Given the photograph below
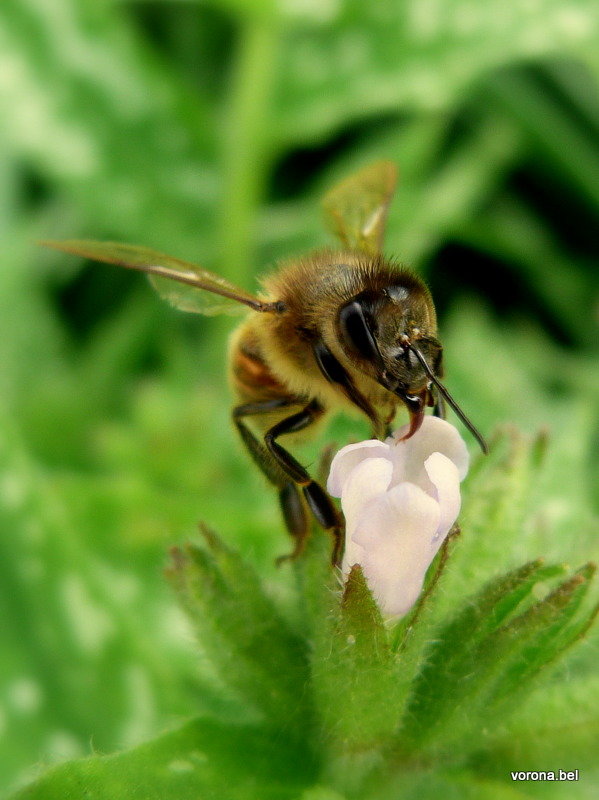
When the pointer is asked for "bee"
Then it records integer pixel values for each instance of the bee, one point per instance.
(338, 328)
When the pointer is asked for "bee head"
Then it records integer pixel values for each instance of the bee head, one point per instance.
(377, 331)
(387, 335)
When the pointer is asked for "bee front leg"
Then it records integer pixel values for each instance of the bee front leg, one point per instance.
(439, 407)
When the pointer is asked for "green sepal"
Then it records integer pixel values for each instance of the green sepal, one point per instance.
(484, 613)
(351, 661)
(356, 679)
(202, 759)
(410, 636)
(354, 684)
(250, 645)
(456, 644)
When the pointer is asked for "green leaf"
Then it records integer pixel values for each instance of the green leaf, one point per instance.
(568, 146)
(550, 626)
(558, 722)
(90, 107)
(251, 646)
(355, 60)
(201, 759)
(512, 232)
(487, 655)
(434, 203)
(77, 657)
(457, 644)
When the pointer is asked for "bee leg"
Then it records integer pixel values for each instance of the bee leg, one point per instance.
(284, 471)
(260, 455)
(292, 503)
(327, 517)
(439, 409)
(318, 500)
(293, 507)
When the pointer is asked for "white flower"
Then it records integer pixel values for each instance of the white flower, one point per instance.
(400, 499)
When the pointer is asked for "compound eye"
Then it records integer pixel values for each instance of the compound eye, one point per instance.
(356, 332)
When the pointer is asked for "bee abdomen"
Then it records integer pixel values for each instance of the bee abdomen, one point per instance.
(251, 377)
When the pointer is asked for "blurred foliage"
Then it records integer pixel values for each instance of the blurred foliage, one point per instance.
(210, 130)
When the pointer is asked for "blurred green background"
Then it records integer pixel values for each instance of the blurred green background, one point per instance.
(210, 130)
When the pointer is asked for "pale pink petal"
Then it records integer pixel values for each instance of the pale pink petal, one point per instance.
(435, 436)
(366, 525)
(364, 484)
(395, 534)
(445, 477)
(348, 458)
(367, 480)
(418, 517)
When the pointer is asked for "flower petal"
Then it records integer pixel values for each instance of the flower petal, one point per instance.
(435, 436)
(348, 458)
(366, 482)
(445, 477)
(395, 533)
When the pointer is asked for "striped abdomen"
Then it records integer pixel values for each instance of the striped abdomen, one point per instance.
(250, 377)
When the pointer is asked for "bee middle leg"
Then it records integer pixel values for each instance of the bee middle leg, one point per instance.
(285, 472)
(318, 500)
(293, 507)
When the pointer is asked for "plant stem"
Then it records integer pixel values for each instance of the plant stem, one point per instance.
(244, 157)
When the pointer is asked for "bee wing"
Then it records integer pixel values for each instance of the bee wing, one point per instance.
(181, 283)
(356, 209)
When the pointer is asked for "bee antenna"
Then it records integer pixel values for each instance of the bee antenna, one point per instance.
(473, 430)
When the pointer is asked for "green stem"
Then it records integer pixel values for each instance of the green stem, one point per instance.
(244, 156)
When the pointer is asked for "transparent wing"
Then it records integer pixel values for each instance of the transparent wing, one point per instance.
(181, 283)
(356, 209)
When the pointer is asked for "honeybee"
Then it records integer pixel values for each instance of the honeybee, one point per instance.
(337, 328)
